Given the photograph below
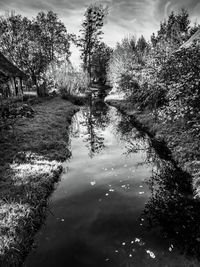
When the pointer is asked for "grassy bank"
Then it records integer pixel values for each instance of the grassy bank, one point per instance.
(180, 139)
(30, 164)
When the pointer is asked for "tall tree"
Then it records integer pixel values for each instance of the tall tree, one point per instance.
(99, 62)
(91, 33)
(173, 31)
(153, 40)
(52, 36)
(14, 31)
(33, 44)
(142, 44)
(183, 21)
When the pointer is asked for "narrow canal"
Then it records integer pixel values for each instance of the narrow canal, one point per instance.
(121, 201)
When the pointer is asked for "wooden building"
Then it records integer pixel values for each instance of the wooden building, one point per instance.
(11, 78)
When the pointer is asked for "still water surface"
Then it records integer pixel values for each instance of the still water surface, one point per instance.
(119, 203)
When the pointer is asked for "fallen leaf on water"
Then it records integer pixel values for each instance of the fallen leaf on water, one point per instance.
(137, 239)
(151, 254)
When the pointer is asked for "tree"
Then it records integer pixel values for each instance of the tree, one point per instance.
(52, 41)
(183, 21)
(180, 74)
(123, 60)
(141, 44)
(99, 63)
(173, 31)
(53, 37)
(153, 40)
(14, 31)
(33, 44)
(91, 33)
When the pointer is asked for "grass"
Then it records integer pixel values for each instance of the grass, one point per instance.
(182, 142)
(30, 164)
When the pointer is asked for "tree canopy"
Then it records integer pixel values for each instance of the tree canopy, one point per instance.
(33, 44)
(91, 33)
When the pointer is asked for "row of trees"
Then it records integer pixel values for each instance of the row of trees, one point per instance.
(41, 44)
(95, 54)
(160, 75)
(33, 44)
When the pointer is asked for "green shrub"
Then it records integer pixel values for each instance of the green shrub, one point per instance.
(181, 74)
(65, 79)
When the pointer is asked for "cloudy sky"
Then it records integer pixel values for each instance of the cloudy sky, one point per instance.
(126, 17)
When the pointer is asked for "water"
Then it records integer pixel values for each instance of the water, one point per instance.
(120, 202)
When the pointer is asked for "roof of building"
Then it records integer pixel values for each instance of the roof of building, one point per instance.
(9, 69)
(194, 37)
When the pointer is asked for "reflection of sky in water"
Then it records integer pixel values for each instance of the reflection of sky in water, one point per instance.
(96, 211)
(109, 165)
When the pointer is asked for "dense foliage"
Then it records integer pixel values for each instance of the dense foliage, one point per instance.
(181, 75)
(99, 63)
(91, 33)
(33, 44)
(162, 76)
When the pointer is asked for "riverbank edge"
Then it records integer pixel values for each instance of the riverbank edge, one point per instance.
(178, 142)
(31, 164)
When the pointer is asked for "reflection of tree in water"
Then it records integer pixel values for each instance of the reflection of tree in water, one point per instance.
(134, 139)
(94, 120)
(93, 138)
(172, 206)
(99, 112)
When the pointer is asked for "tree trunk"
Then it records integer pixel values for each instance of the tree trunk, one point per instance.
(16, 87)
(21, 86)
(34, 79)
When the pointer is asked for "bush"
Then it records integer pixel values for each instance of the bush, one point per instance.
(74, 83)
(181, 74)
(170, 84)
(63, 78)
(122, 61)
(11, 112)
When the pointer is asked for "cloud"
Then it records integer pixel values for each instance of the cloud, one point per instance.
(165, 7)
(133, 17)
(126, 17)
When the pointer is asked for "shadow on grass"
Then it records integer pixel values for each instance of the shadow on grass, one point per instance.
(31, 163)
